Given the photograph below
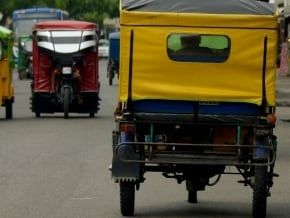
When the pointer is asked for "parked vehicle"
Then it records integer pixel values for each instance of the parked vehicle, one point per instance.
(23, 20)
(113, 62)
(195, 97)
(103, 48)
(65, 68)
(6, 67)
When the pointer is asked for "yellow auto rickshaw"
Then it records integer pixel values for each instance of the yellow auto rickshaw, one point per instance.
(196, 95)
(6, 67)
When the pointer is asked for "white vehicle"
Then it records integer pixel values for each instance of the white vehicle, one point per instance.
(103, 48)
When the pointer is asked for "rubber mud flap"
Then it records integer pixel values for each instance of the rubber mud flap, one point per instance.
(122, 169)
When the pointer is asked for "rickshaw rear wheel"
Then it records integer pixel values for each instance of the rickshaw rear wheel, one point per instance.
(66, 102)
(37, 114)
(110, 80)
(92, 114)
(191, 192)
(192, 197)
(111, 77)
(260, 192)
(21, 75)
(8, 110)
(110, 73)
(127, 198)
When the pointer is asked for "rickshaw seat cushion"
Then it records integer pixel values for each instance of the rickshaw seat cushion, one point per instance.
(187, 107)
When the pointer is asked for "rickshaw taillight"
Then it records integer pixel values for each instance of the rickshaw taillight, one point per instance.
(56, 71)
(127, 127)
(127, 132)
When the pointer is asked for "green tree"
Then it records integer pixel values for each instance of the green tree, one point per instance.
(89, 10)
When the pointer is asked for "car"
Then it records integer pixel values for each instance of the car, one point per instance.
(103, 48)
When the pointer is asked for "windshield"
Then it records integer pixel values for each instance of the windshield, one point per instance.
(24, 27)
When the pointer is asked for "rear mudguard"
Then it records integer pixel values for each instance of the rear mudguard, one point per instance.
(125, 170)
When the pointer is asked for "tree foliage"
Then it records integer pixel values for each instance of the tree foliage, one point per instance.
(89, 10)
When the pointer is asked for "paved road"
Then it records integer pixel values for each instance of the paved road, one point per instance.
(56, 168)
(283, 90)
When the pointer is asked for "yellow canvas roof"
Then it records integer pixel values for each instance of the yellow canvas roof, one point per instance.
(247, 74)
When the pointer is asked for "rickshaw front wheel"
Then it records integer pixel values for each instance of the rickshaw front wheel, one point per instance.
(260, 192)
(127, 198)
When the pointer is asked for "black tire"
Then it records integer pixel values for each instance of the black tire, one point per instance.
(30, 71)
(37, 114)
(92, 114)
(8, 110)
(192, 197)
(260, 192)
(127, 198)
(111, 77)
(66, 102)
(21, 75)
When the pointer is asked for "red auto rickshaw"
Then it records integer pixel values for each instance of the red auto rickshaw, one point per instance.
(65, 68)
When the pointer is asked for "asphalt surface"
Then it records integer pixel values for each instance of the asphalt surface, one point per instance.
(56, 168)
(283, 90)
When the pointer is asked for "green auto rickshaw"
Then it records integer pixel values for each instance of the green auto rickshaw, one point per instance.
(6, 66)
(24, 61)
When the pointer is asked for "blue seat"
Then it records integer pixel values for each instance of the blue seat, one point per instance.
(191, 107)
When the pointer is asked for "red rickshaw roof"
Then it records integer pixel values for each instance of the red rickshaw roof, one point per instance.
(64, 24)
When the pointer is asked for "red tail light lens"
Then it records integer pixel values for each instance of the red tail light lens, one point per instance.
(127, 127)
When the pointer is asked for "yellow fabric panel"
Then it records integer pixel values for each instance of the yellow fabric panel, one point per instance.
(194, 19)
(6, 87)
(239, 79)
(1, 79)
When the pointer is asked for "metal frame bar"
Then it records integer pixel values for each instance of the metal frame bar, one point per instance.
(177, 157)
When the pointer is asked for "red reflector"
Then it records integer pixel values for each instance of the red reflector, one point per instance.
(127, 127)
(271, 118)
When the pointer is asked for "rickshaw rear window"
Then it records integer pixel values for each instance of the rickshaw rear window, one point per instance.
(66, 40)
(198, 48)
(59, 40)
